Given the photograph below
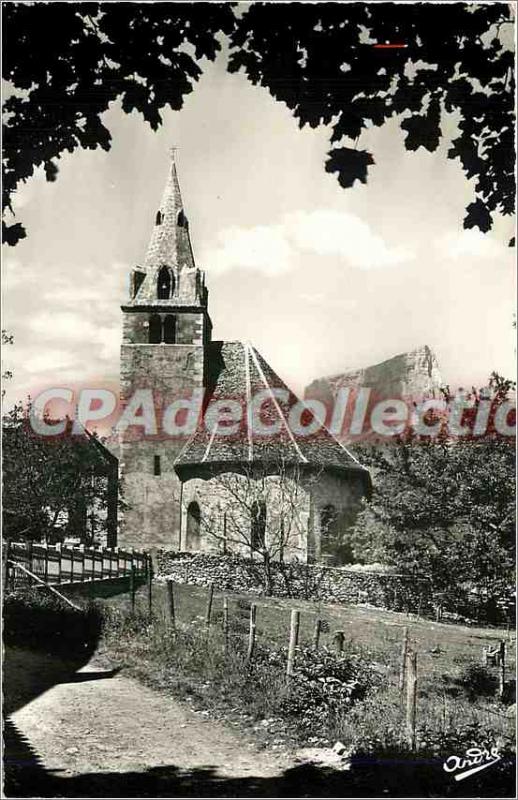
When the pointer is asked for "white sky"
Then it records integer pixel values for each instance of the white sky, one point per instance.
(319, 278)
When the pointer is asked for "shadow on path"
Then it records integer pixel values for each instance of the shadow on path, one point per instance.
(25, 776)
(27, 674)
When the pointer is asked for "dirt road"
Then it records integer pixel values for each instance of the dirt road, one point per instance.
(95, 725)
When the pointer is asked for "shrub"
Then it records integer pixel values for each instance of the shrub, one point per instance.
(322, 681)
(477, 681)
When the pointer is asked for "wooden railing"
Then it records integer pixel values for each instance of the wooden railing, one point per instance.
(62, 563)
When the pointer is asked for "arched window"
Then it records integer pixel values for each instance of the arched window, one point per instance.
(155, 329)
(165, 286)
(181, 219)
(170, 329)
(158, 218)
(193, 526)
(258, 526)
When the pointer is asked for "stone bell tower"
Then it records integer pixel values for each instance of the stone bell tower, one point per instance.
(166, 331)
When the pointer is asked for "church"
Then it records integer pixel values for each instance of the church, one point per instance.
(249, 483)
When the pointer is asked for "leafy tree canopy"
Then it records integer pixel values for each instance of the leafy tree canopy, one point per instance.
(322, 63)
(445, 506)
(66, 62)
(69, 61)
(50, 483)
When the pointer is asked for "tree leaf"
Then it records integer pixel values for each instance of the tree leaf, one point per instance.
(351, 165)
(478, 216)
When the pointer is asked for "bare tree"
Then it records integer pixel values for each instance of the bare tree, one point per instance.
(260, 510)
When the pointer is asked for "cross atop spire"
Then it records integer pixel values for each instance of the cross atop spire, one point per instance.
(170, 243)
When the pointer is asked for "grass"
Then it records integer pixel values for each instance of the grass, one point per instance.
(376, 632)
(220, 683)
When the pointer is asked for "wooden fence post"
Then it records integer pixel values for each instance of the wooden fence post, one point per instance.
(149, 572)
(208, 613)
(294, 638)
(7, 556)
(411, 699)
(501, 675)
(338, 639)
(58, 551)
(225, 624)
(132, 587)
(404, 652)
(171, 618)
(82, 551)
(316, 633)
(30, 555)
(46, 563)
(252, 632)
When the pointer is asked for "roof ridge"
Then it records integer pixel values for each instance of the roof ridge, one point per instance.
(323, 425)
(277, 406)
(203, 447)
(213, 434)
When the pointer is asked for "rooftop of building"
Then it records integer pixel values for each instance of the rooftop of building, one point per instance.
(238, 373)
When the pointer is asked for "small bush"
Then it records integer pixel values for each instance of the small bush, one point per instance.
(323, 681)
(477, 681)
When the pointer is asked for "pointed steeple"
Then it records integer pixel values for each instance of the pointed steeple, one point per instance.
(170, 243)
(169, 276)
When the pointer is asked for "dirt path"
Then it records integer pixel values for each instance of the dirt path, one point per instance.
(115, 724)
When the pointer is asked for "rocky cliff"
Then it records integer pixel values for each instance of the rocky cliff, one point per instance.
(414, 374)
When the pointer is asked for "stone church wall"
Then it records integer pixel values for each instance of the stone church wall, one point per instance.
(232, 494)
(151, 517)
(161, 367)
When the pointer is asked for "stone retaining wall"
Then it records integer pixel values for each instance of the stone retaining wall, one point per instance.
(297, 580)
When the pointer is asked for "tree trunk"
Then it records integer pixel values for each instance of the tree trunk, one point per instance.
(268, 583)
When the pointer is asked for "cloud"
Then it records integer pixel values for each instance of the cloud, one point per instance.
(338, 233)
(14, 274)
(103, 289)
(263, 248)
(61, 329)
(47, 360)
(274, 249)
(470, 243)
(64, 325)
(313, 297)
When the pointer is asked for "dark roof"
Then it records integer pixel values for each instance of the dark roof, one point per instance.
(238, 372)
